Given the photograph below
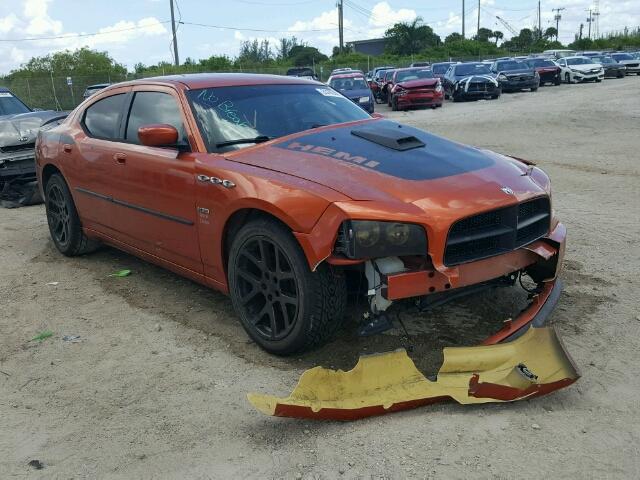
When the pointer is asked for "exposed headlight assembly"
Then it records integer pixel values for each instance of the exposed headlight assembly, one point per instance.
(372, 239)
(363, 99)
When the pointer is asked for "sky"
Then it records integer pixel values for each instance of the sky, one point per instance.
(135, 31)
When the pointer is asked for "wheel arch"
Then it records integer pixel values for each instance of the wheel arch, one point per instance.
(47, 172)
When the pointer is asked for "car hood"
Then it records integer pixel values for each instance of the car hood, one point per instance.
(360, 92)
(421, 82)
(587, 67)
(441, 174)
(521, 71)
(23, 128)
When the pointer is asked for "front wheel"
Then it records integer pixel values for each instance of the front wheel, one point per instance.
(534, 89)
(64, 222)
(598, 80)
(284, 306)
(394, 104)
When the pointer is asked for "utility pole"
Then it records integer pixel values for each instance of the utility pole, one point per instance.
(596, 19)
(478, 17)
(580, 35)
(462, 18)
(176, 60)
(539, 21)
(557, 18)
(589, 20)
(340, 26)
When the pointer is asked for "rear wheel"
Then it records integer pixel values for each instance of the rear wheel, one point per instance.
(64, 222)
(282, 304)
(394, 104)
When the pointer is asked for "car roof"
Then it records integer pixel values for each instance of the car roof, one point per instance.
(206, 80)
(348, 75)
(98, 85)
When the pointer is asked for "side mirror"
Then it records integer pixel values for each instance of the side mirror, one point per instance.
(158, 135)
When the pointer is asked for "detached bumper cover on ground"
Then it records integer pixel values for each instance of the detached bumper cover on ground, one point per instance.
(533, 364)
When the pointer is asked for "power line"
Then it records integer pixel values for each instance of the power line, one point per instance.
(227, 27)
(82, 35)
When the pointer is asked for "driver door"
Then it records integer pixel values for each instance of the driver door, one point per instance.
(154, 187)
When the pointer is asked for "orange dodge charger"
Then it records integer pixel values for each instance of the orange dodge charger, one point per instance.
(272, 189)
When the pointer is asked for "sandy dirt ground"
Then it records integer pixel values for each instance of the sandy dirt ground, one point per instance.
(156, 386)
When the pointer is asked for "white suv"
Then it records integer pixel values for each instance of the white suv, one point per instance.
(580, 69)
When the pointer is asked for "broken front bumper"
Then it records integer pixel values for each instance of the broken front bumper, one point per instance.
(534, 364)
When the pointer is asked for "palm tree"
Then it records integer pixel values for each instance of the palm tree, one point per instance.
(497, 35)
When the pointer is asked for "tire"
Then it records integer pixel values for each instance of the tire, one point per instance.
(558, 81)
(598, 80)
(534, 89)
(283, 306)
(620, 74)
(567, 78)
(496, 96)
(394, 104)
(64, 223)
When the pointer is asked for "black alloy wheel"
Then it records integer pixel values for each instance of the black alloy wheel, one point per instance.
(283, 305)
(58, 216)
(63, 219)
(267, 288)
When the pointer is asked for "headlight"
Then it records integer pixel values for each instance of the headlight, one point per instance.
(371, 239)
(363, 99)
(439, 87)
(502, 76)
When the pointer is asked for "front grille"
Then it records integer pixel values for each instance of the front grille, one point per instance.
(17, 148)
(479, 87)
(498, 231)
(421, 90)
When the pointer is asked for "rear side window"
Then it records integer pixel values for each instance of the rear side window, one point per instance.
(153, 107)
(102, 119)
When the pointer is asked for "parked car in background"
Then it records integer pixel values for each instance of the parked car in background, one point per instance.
(580, 69)
(302, 72)
(420, 64)
(547, 70)
(470, 81)
(559, 53)
(631, 63)
(92, 89)
(385, 85)
(377, 72)
(589, 54)
(354, 86)
(19, 126)
(345, 70)
(611, 67)
(379, 92)
(439, 69)
(415, 87)
(514, 75)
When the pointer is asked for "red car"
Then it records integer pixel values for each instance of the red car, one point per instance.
(548, 70)
(415, 87)
(272, 189)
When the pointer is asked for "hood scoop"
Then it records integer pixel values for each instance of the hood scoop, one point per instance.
(393, 138)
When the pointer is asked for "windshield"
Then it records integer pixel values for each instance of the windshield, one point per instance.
(442, 68)
(622, 56)
(604, 59)
(232, 113)
(356, 83)
(10, 105)
(472, 69)
(541, 63)
(579, 61)
(407, 75)
(511, 65)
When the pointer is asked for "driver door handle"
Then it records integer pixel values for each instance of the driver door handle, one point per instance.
(120, 158)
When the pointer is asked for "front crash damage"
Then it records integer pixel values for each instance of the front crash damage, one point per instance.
(534, 364)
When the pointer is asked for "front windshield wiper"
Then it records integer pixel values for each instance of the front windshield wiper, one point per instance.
(238, 141)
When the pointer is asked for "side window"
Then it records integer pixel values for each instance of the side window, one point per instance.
(153, 107)
(102, 118)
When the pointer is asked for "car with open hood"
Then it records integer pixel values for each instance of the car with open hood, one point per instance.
(470, 81)
(515, 75)
(611, 67)
(580, 69)
(630, 63)
(548, 71)
(355, 87)
(415, 87)
(273, 189)
(19, 126)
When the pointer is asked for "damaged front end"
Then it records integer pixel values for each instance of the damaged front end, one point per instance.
(534, 364)
(18, 184)
(522, 360)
